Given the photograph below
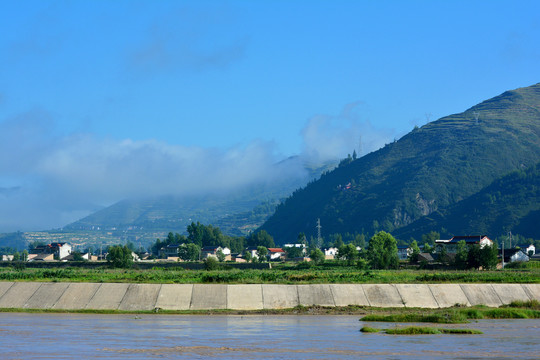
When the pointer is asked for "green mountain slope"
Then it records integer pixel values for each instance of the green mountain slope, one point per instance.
(430, 168)
(511, 203)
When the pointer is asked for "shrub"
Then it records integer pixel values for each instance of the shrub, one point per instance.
(211, 263)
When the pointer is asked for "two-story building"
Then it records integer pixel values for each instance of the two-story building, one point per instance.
(58, 250)
(451, 245)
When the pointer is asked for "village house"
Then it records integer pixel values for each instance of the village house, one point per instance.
(528, 249)
(276, 253)
(58, 250)
(211, 251)
(239, 258)
(451, 245)
(41, 257)
(513, 255)
(168, 251)
(330, 253)
(252, 251)
(86, 256)
(425, 257)
(403, 252)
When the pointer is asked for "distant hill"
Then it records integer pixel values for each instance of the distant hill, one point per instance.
(510, 203)
(235, 212)
(430, 168)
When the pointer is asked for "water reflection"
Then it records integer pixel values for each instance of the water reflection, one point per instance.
(69, 336)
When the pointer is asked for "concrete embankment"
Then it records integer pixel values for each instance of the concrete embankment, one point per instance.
(138, 297)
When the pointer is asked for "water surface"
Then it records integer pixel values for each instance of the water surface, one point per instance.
(82, 336)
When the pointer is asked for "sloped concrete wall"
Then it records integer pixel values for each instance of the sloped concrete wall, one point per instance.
(136, 297)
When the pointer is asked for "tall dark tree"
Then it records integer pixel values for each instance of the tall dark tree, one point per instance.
(120, 256)
(260, 238)
(382, 251)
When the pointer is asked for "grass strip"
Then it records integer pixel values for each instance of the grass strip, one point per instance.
(279, 274)
(456, 316)
(368, 329)
(445, 317)
(421, 330)
(530, 304)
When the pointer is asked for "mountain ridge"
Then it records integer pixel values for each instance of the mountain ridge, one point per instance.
(439, 164)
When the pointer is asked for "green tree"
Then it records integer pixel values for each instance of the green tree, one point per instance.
(220, 255)
(211, 263)
(77, 256)
(382, 251)
(317, 256)
(262, 252)
(25, 255)
(293, 252)
(260, 238)
(413, 257)
(428, 248)
(120, 256)
(473, 257)
(488, 257)
(338, 240)
(130, 246)
(189, 252)
(360, 240)
(443, 255)
(16, 256)
(348, 253)
(430, 237)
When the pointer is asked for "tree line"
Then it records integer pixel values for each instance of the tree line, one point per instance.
(200, 235)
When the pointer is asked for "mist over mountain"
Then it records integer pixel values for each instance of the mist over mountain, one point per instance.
(51, 179)
(430, 168)
(235, 211)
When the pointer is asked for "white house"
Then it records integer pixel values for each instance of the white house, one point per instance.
(404, 251)
(513, 255)
(61, 250)
(528, 249)
(211, 251)
(276, 253)
(252, 251)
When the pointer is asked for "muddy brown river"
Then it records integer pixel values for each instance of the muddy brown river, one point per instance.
(81, 336)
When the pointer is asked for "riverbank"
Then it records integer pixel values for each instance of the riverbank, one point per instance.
(254, 297)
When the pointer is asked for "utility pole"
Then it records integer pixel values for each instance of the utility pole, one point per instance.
(502, 253)
(319, 239)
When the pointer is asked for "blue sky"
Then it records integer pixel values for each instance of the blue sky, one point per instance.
(103, 100)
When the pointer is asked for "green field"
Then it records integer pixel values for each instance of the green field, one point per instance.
(327, 273)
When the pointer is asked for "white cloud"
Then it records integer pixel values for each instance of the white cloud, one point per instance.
(333, 137)
(50, 180)
(54, 179)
